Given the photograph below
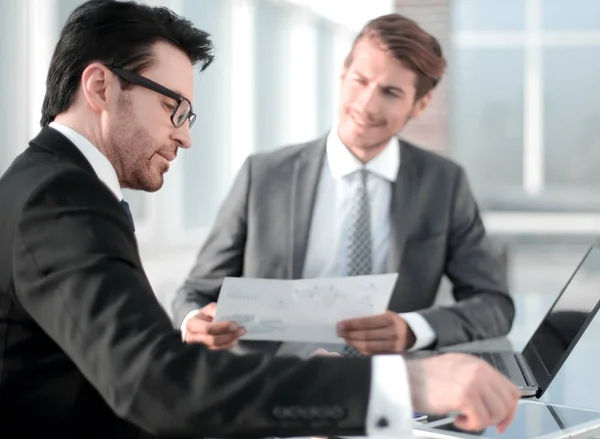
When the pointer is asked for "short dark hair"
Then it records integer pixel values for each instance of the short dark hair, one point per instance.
(117, 33)
(407, 42)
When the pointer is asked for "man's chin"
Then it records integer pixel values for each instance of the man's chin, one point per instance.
(365, 143)
(154, 184)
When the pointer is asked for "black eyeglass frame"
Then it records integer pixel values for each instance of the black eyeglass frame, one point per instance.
(142, 81)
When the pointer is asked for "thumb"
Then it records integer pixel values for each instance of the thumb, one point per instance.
(319, 351)
(468, 423)
(324, 353)
(209, 311)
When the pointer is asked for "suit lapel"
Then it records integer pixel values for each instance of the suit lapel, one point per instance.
(401, 208)
(53, 141)
(305, 179)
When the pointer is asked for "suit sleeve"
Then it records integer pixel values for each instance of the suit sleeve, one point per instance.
(221, 255)
(484, 308)
(78, 274)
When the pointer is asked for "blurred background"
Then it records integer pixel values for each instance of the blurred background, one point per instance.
(518, 108)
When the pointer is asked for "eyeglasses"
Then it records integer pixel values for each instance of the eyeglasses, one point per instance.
(182, 110)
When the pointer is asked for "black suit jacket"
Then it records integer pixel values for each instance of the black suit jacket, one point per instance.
(435, 229)
(87, 351)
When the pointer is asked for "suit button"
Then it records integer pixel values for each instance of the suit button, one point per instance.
(338, 413)
(303, 413)
(293, 412)
(314, 413)
(382, 423)
(278, 412)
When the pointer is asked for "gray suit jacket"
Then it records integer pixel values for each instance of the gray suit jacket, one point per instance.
(262, 231)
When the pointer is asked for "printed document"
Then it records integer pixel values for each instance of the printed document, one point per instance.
(303, 310)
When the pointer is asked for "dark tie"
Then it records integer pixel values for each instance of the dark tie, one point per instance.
(125, 205)
(358, 250)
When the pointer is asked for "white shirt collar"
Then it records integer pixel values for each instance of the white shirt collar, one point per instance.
(101, 165)
(342, 162)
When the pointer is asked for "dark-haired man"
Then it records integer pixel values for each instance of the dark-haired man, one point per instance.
(361, 201)
(86, 351)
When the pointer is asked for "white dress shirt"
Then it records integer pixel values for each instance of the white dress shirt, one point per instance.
(101, 165)
(326, 251)
(389, 396)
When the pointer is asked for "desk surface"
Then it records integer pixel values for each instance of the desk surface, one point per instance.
(534, 419)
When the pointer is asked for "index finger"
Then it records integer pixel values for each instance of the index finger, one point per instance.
(473, 415)
(510, 395)
(503, 425)
(362, 323)
(218, 328)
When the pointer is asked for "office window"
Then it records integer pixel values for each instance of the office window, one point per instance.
(487, 121)
(488, 15)
(523, 94)
(571, 117)
(271, 74)
(206, 176)
(13, 113)
(326, 73)
(571, 15)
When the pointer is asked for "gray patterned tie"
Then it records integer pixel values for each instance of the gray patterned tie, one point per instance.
(359, 250)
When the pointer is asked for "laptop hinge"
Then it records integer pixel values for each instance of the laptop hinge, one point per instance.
(527, 374)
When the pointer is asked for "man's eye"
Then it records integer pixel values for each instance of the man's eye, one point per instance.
(169, 106)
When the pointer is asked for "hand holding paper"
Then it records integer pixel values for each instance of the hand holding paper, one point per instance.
(378, 334)
(216, 335)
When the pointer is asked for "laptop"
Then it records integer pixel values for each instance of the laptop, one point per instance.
(534, 368)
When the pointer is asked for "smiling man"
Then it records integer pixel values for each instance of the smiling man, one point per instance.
(361, 201)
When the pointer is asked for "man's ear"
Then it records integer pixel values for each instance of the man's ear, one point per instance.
(95, 82)
(421, 105)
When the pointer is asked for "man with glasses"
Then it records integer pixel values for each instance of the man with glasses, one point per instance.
(85, 348)
(180, 112)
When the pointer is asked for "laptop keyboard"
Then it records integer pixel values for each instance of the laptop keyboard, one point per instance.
(496, 359)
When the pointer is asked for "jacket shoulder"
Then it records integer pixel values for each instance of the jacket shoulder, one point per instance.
(428, 159)
(290, 152)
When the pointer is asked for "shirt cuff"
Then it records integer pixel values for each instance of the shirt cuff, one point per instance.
(424, 333)
(389, 412)
(188, 316)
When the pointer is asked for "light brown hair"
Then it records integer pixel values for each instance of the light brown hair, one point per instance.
(407, 42)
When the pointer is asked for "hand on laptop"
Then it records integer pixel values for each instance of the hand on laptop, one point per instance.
(381, 334)
(463, 383)
(215, 335)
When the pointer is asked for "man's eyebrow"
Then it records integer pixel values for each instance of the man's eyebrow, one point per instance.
(395, 88)
(177, 92)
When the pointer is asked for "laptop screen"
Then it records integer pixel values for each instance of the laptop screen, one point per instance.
(566, 320)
